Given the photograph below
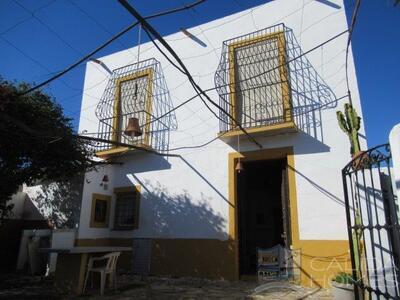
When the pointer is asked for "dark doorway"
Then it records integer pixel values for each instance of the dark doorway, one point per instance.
(262, 210)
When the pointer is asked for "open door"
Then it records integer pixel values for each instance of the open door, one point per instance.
(263, 211)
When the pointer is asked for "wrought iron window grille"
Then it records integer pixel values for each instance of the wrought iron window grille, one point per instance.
(138, 90)
(262, 81)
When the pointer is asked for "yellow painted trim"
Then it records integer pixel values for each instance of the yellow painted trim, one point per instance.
(280, 36)
(278, 153)
(106, 198)
(232, 188)
(112, 151)
(276, 128)
(320, 259)
(117, 112)
(118, 150)
(128, 189)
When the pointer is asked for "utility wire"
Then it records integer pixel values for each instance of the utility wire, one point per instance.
(352, 24)
(252, 77)
(184, 73)
(27, 19)
(176, 57)
(119, 144)
(109, 42)
(284, 64)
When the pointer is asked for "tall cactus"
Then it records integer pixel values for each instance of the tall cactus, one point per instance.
(350, 122)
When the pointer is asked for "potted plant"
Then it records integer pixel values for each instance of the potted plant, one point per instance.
(342, 287)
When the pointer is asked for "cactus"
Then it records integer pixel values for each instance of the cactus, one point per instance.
(350, 122)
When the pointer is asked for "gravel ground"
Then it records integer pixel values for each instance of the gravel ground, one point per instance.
(133, 287)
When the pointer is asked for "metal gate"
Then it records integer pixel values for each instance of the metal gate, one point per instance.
(372, 223)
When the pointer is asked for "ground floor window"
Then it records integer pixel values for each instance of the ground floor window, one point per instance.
(127, 205)
(100, 210)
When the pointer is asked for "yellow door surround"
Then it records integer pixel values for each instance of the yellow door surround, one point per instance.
(319, 260)
(278, 153)
(267, 154)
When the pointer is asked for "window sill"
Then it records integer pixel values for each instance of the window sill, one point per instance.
(119, 151)
(286, 127)
(124, 229)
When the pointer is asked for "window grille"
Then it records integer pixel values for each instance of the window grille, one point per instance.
(261, 80)
(100, 211)
(138, 90)
(126, 210)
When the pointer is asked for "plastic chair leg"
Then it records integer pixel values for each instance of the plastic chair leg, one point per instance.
(114, 275)
(102, 282)
(86, 279)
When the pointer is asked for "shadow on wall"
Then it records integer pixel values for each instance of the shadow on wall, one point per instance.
(190, 237)
(179, 214)
(144, 162)
(60, 202)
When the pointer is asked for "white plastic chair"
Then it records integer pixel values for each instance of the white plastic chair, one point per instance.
(109, 268)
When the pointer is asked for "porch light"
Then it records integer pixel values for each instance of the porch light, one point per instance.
(133, 128)
(104, 182)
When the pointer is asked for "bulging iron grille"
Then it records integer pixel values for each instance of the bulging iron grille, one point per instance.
(263, 80)
(137, 90)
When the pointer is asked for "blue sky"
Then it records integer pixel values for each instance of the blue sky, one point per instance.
(32, 47)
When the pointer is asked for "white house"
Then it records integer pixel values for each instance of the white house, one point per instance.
(195, 214)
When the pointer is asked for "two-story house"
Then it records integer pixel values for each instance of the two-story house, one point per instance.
(213, 194)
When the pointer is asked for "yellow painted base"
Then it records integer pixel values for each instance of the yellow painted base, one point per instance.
(208, 258)
(321, 260)
(286, 127)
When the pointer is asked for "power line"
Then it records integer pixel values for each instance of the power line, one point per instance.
(107, 43)
(183, 72)
(27, 19)
(97, 23)
(252, 77)
(196, 87)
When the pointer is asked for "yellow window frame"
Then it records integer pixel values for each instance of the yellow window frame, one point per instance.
(117, 112)
(93, 222)
(280, 36)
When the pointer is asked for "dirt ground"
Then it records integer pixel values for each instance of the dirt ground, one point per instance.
(134, 287)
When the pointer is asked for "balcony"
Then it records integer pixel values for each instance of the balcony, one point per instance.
(265, 84)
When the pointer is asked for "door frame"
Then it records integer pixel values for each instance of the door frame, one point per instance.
(267, 154)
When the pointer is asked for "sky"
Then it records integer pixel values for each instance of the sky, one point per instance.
(41, 37)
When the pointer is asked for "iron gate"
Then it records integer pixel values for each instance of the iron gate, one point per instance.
(372, 223)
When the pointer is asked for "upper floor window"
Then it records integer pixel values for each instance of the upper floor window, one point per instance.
(252, 81)
(260, 92)
(133, 110)
(266, 82)
(133, 100)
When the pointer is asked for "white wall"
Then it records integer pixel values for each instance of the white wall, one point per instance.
(188, 198)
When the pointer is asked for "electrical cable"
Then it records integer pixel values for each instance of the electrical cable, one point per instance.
(279, 66)
(176, 57)
(184, 73)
